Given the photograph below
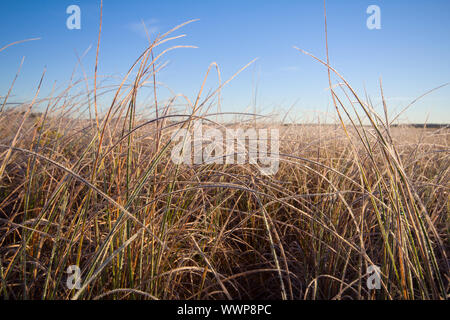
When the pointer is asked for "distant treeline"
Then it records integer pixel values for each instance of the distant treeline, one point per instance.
(413, 125)
(423, 125)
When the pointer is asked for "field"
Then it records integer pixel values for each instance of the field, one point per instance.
(103, 194)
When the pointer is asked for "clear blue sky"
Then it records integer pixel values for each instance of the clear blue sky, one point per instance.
(411, 51)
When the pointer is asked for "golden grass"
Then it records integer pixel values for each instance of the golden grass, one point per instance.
(104, 194)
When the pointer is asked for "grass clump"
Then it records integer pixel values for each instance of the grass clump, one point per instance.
(102, 193)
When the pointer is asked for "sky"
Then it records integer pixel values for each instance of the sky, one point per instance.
(410, 53)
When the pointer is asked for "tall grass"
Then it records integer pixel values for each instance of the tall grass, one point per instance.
(101, 192)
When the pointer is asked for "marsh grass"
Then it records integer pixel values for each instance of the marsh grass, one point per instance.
(101, 192)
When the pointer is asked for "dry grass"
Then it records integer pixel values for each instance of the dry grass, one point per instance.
(103, 194)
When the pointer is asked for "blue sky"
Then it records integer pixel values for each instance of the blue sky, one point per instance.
(410, 52)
